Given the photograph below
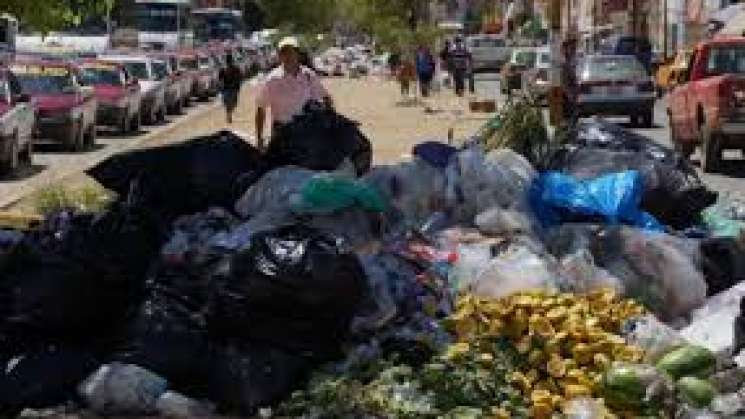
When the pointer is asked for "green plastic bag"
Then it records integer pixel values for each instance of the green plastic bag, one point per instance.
(328, 193)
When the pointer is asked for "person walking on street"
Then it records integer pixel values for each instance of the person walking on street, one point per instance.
(406, 74)
(287, 89)
(425, 69)
(230, 84)
(461, 64)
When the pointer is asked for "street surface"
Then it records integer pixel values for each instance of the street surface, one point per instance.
(392, 123)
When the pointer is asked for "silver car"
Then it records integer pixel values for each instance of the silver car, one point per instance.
(488, 52)
(615, 85)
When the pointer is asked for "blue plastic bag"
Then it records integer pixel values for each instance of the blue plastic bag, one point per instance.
(613, 199)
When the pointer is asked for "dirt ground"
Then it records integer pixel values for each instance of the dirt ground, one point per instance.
(392, 124)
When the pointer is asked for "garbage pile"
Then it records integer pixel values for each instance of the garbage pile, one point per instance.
(461, 283)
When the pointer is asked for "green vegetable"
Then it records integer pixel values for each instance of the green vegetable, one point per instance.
(696, 391)
(689, 360)
(623, 388)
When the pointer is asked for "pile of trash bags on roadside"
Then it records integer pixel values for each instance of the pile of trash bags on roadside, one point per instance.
(459, 283)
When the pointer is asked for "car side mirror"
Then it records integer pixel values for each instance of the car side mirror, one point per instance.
(22, 98)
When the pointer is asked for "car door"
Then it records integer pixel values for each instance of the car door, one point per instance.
(85, 100)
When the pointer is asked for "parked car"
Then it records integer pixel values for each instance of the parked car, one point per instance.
(119, 96)
(189, 65)
(489, 52)
(17, 121)
(163, 72)
(537, 80)
(668, 74)
(179, 75)
(207, 76)
(634, 46)
(615, 85)
(153, 107)
(521, 60)
(707, 107)
(66, 110)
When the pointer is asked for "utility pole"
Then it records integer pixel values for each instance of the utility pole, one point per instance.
(665, 41)
(556, 97)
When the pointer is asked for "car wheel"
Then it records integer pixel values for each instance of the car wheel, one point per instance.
(10, 165)
(648, 118)
(90, 138)
(77, 141)
(711, 150)
(136, 123)
(124, 126)
(27, 157)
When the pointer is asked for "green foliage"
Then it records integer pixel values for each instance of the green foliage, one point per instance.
(303, 16)
(49, 15)
(57, 197)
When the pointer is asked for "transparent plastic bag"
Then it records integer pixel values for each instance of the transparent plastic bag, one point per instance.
(123, 389)
(477, 182)
(585, 408)
(581, 275)
(634, 387)
(501, 222)
(653, 270)
(654, 337)
(514, 270)
(273, 191)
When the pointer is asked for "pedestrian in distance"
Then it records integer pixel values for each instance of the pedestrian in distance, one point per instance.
(287, 89)
(230, 86)
(461, 62)
(425, 69)
(406, 74)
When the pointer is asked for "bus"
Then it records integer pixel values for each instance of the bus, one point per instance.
(218, 24)
(8, 32)
(164, 24)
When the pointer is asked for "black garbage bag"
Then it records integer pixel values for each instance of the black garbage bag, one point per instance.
(245, 377)
(723, 264)
(44, 377)
(78, 277)
(674, 194)
(169, 337)
(295, 288)
(183, 178)
(320, 139)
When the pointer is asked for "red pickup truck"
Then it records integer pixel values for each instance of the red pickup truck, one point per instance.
(707, 107)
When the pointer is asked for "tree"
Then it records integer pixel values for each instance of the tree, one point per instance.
(48, 15)
(303, 16)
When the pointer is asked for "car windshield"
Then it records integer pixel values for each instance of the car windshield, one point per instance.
(726, 60)
(189, 64)
(612, 68)
(137, 69)
(486, 43)
(160, 69)
(44, 83)
(94, 76)
(544, 59)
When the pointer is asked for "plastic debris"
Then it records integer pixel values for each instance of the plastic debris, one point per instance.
(122, 389)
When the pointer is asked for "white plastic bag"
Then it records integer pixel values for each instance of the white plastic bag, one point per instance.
(503, 222)
(654, 337)
(515, 270)
(123, 389)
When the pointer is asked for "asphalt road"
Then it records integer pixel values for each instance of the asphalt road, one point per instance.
(731, 179)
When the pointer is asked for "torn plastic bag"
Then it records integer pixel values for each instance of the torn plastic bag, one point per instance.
(328, 193)
(414, 190)
(320, 139)
(477, 182)
(43, 377)
(714, 324)
(273, 192)
(295, 288)
(183, 178)
(673, 192)
(246, 377)
(613, 198)
(653, 270)
(122, 389)
(723, 219)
